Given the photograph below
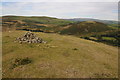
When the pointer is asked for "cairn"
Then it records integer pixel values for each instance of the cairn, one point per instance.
(29, 38)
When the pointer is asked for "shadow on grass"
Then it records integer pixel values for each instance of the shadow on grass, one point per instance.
(20, 61)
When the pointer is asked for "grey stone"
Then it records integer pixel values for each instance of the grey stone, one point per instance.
(29, 37)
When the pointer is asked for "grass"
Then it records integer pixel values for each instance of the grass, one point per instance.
(108, 38)
(20, 61)
(93, 38)
(61, 57)
(38, 20)
(86, 27)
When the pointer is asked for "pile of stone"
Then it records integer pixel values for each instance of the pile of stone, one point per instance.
(29, 38)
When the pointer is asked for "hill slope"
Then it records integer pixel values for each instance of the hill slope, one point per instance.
(43, 23)
(86, 27)
(61, 57)
(112, 23)
(36, 20)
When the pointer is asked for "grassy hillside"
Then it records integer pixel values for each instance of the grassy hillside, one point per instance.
(49, 24)
(61, 57)
(43, 23)
(37, 20)
(86, 27)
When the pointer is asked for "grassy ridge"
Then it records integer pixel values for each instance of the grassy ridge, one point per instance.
(33, 23)
(86, 27)
(38, 20)
(61, 57)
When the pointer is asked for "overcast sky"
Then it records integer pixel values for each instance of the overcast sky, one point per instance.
(98, 10)
(60, 0)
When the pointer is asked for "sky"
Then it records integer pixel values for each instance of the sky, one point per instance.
(98, 10)
(60, 0)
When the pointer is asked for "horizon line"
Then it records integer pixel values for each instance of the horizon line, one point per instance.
(58, 17)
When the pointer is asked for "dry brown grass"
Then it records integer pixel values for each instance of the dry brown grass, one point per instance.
(58, 59)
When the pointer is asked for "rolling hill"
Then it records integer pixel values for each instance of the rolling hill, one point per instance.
(60, 26)
(36, 20)
(61, 57)
(86, 27)
(112, 23)
(47, 24)
(90, 19)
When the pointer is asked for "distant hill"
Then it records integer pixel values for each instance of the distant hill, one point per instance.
(37, 20)
(43, 22)
(50, 24)
(86, 27)
(109, 22)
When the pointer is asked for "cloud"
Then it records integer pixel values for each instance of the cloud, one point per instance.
(60, 0)
(101, 10)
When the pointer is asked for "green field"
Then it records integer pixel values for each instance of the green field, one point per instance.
(61, 57)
